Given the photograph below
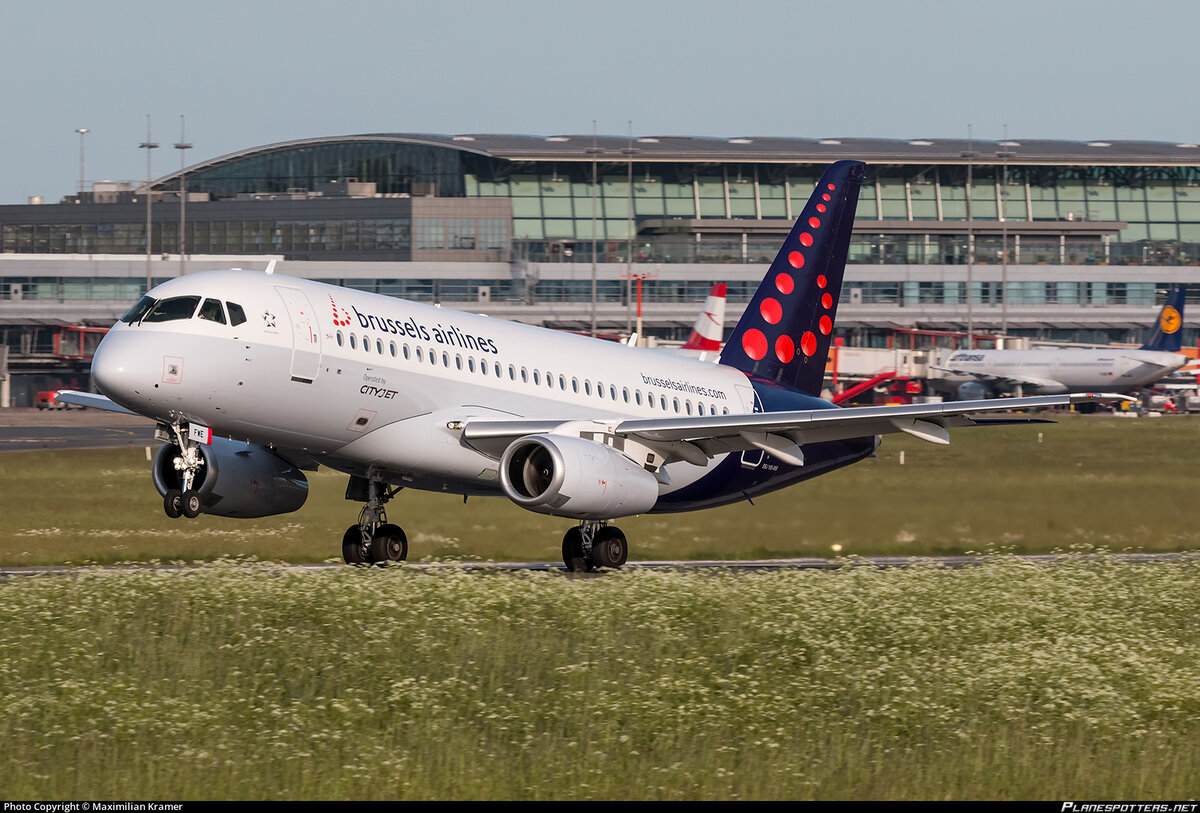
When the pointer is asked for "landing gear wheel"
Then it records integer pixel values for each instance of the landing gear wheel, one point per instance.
(609, 548)
(173, 503)
(190, 504)
(572, 551)
(353, 549)
(389, 544)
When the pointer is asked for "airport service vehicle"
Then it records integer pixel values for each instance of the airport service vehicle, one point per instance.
(255, 378)
(972, 374)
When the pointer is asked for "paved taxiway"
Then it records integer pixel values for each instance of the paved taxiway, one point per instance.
(741, 565)
(28, 429)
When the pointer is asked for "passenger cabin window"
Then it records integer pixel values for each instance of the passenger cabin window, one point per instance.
(139, 310)
(211, 311)
(173, 309)
(236, 314)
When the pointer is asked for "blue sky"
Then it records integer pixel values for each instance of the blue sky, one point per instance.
(250, 73)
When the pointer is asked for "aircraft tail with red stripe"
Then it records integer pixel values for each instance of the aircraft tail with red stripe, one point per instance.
(784, 334)
(709, 329)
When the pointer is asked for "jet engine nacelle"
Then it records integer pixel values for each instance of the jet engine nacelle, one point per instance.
(572, 477)
(237, 479)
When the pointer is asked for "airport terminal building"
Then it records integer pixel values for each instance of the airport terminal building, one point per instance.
(1048, 240)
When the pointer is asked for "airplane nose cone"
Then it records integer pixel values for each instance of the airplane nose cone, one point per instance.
(115, 368)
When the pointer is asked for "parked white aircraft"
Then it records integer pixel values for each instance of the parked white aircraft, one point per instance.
(974, 374)
(253, 377)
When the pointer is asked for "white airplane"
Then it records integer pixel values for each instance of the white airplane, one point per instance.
(972, 374)
(254, 377)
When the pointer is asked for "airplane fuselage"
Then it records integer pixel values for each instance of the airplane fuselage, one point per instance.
(1059, 371)
(358, 381)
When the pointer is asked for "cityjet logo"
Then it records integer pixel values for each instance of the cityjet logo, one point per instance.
(341, 316)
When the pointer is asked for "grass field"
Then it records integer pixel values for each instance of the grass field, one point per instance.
(1005, 681)
(241, 679)
(1116, 483)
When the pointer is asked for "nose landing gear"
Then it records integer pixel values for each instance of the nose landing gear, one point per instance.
(185, 500)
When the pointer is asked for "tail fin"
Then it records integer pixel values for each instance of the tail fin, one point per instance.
(785, 332)
(1167, 332)
(710, 324)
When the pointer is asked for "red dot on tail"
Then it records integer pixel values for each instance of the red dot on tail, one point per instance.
(831, 187)
(771, 310)
(814, 222)
(805, 239)
(785, 349)
(754, 343)
(826, 325)
(826, 301)
(796, 259)
(826, 197)
(820, 207)
(821, 281)
(785, 283)
(808, 343)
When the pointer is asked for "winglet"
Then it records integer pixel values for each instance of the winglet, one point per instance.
(785, 332)
(90, 399)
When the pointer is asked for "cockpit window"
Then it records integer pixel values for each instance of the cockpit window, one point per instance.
(138, 311)
(236, 314)
(169, 310)
(212, 311)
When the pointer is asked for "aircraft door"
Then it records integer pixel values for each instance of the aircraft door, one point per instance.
(306, 335)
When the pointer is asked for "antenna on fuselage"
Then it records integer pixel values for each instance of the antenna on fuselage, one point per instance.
(271, 267)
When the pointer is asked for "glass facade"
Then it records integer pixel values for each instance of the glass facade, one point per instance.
(652, 211)
(395, 167)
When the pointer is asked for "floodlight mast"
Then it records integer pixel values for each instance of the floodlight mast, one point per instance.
(148, 145)
(182, 146)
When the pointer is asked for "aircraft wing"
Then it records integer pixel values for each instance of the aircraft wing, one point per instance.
(1161, 366)
(1024, 380)
(696, 439)
(90, 399)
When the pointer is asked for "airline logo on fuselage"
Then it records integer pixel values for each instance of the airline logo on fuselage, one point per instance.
(442, 334)
(341, 317)
(967, 357)
(1170, 320)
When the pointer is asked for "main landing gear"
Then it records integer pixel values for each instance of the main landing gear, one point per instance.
(185, 500)
(592, 545)
(373, 540)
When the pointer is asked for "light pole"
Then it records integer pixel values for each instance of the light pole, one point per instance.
(1004, 155)
(629, 151)
(969, 154)
(181, 146)
(148, 145)
(639, 278)
(82, 132)
(594, 152)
